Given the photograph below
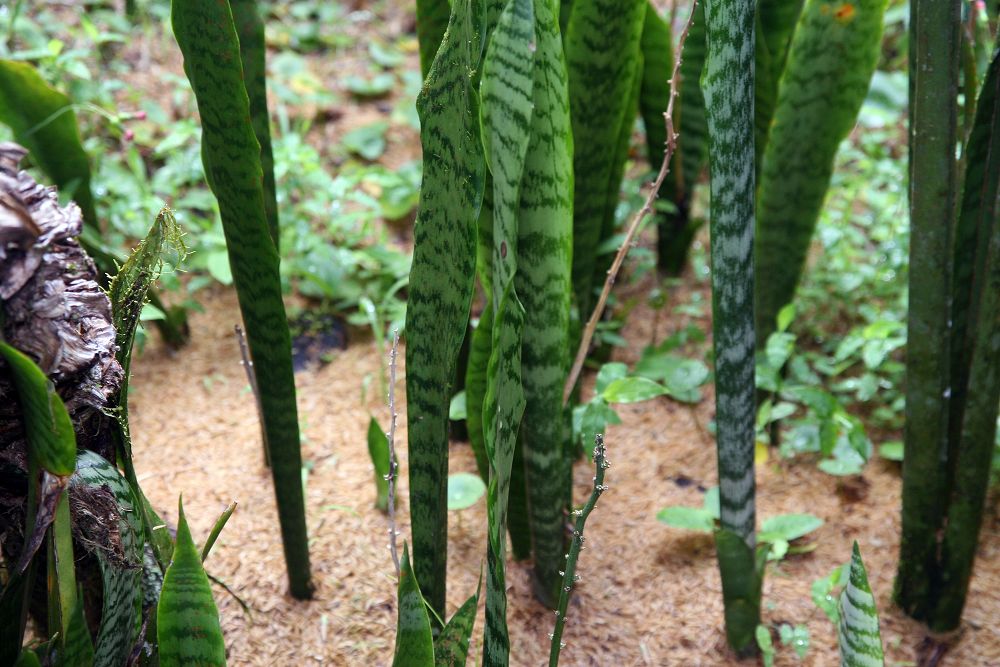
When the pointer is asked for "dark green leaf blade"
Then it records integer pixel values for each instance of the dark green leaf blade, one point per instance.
(830, 65)
(44, 122)
(451, 648)
(187, 620)
(504, 406)
(231, 155)
(441, 284)
(543, 284)
(378, 449)
(49, 429)
(602, 43)
(414, 643)
(253, 51)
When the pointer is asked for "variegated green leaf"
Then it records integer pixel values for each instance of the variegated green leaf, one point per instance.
(232, 160)
(830, 65)
(451, 647)
(120, 563)
(604, 61)
(502, 411)
(78, 648)
(728, 83)
(414, 643)
(858, 631)
(542, 283)
(441, 282)
(187, 620)
(253, 52)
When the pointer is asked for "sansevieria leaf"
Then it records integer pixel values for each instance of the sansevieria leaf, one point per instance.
(48, 426)
(414, 643)
(604, 61)
(451, 647)
(542, 283)
(441, 284)
(858, 631)
(432, 21)
(504, 406)
(232, 160)
(830, 64)
(253, 52)
(187, 620)
(121, 569)
(728, 83)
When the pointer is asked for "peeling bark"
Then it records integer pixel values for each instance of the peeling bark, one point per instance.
(52, 309)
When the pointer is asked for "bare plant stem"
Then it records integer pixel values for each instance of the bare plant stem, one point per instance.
(601, 464)
(391, 436)
(241, 338)
(637, 220)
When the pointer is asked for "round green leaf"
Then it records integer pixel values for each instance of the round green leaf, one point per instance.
(464, 489)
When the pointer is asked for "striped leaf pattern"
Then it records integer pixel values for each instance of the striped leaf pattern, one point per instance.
(604, 63)
(858, 630)
(451, 647)
(542, 282)
(742, 572)
(776, 21)
(121, 572)
(441, 284)
(507, 95)
(504, 405)
(232, 159)
(187, 620)
(253, 51)
(728, 86)
(46, 421)
(414, 643)
(830, 65)
(78, 649)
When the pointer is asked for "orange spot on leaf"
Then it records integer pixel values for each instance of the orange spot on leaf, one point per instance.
(845, 13)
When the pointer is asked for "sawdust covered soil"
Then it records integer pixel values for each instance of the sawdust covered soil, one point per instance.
(649, 595)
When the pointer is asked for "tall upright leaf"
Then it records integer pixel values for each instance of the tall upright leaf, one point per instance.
(187, 620)
(728, 83)
(451, 647)
(675, 228)
(542, 282)
(974, 449)
(507, 95)
(505, 405)
(44, 122)
(231, 155)
(253, 52)
(441, 283)
(604, 62)
(934, 66)
(776, 21)
(858, 631)
(432, 21)
(830, 64)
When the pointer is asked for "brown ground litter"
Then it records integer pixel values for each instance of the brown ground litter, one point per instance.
(649, 594)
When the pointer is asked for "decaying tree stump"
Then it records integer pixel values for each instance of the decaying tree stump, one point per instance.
(52, 309)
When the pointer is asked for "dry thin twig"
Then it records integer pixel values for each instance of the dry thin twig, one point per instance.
(637, 220)
(391, 435)
(241, 338)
